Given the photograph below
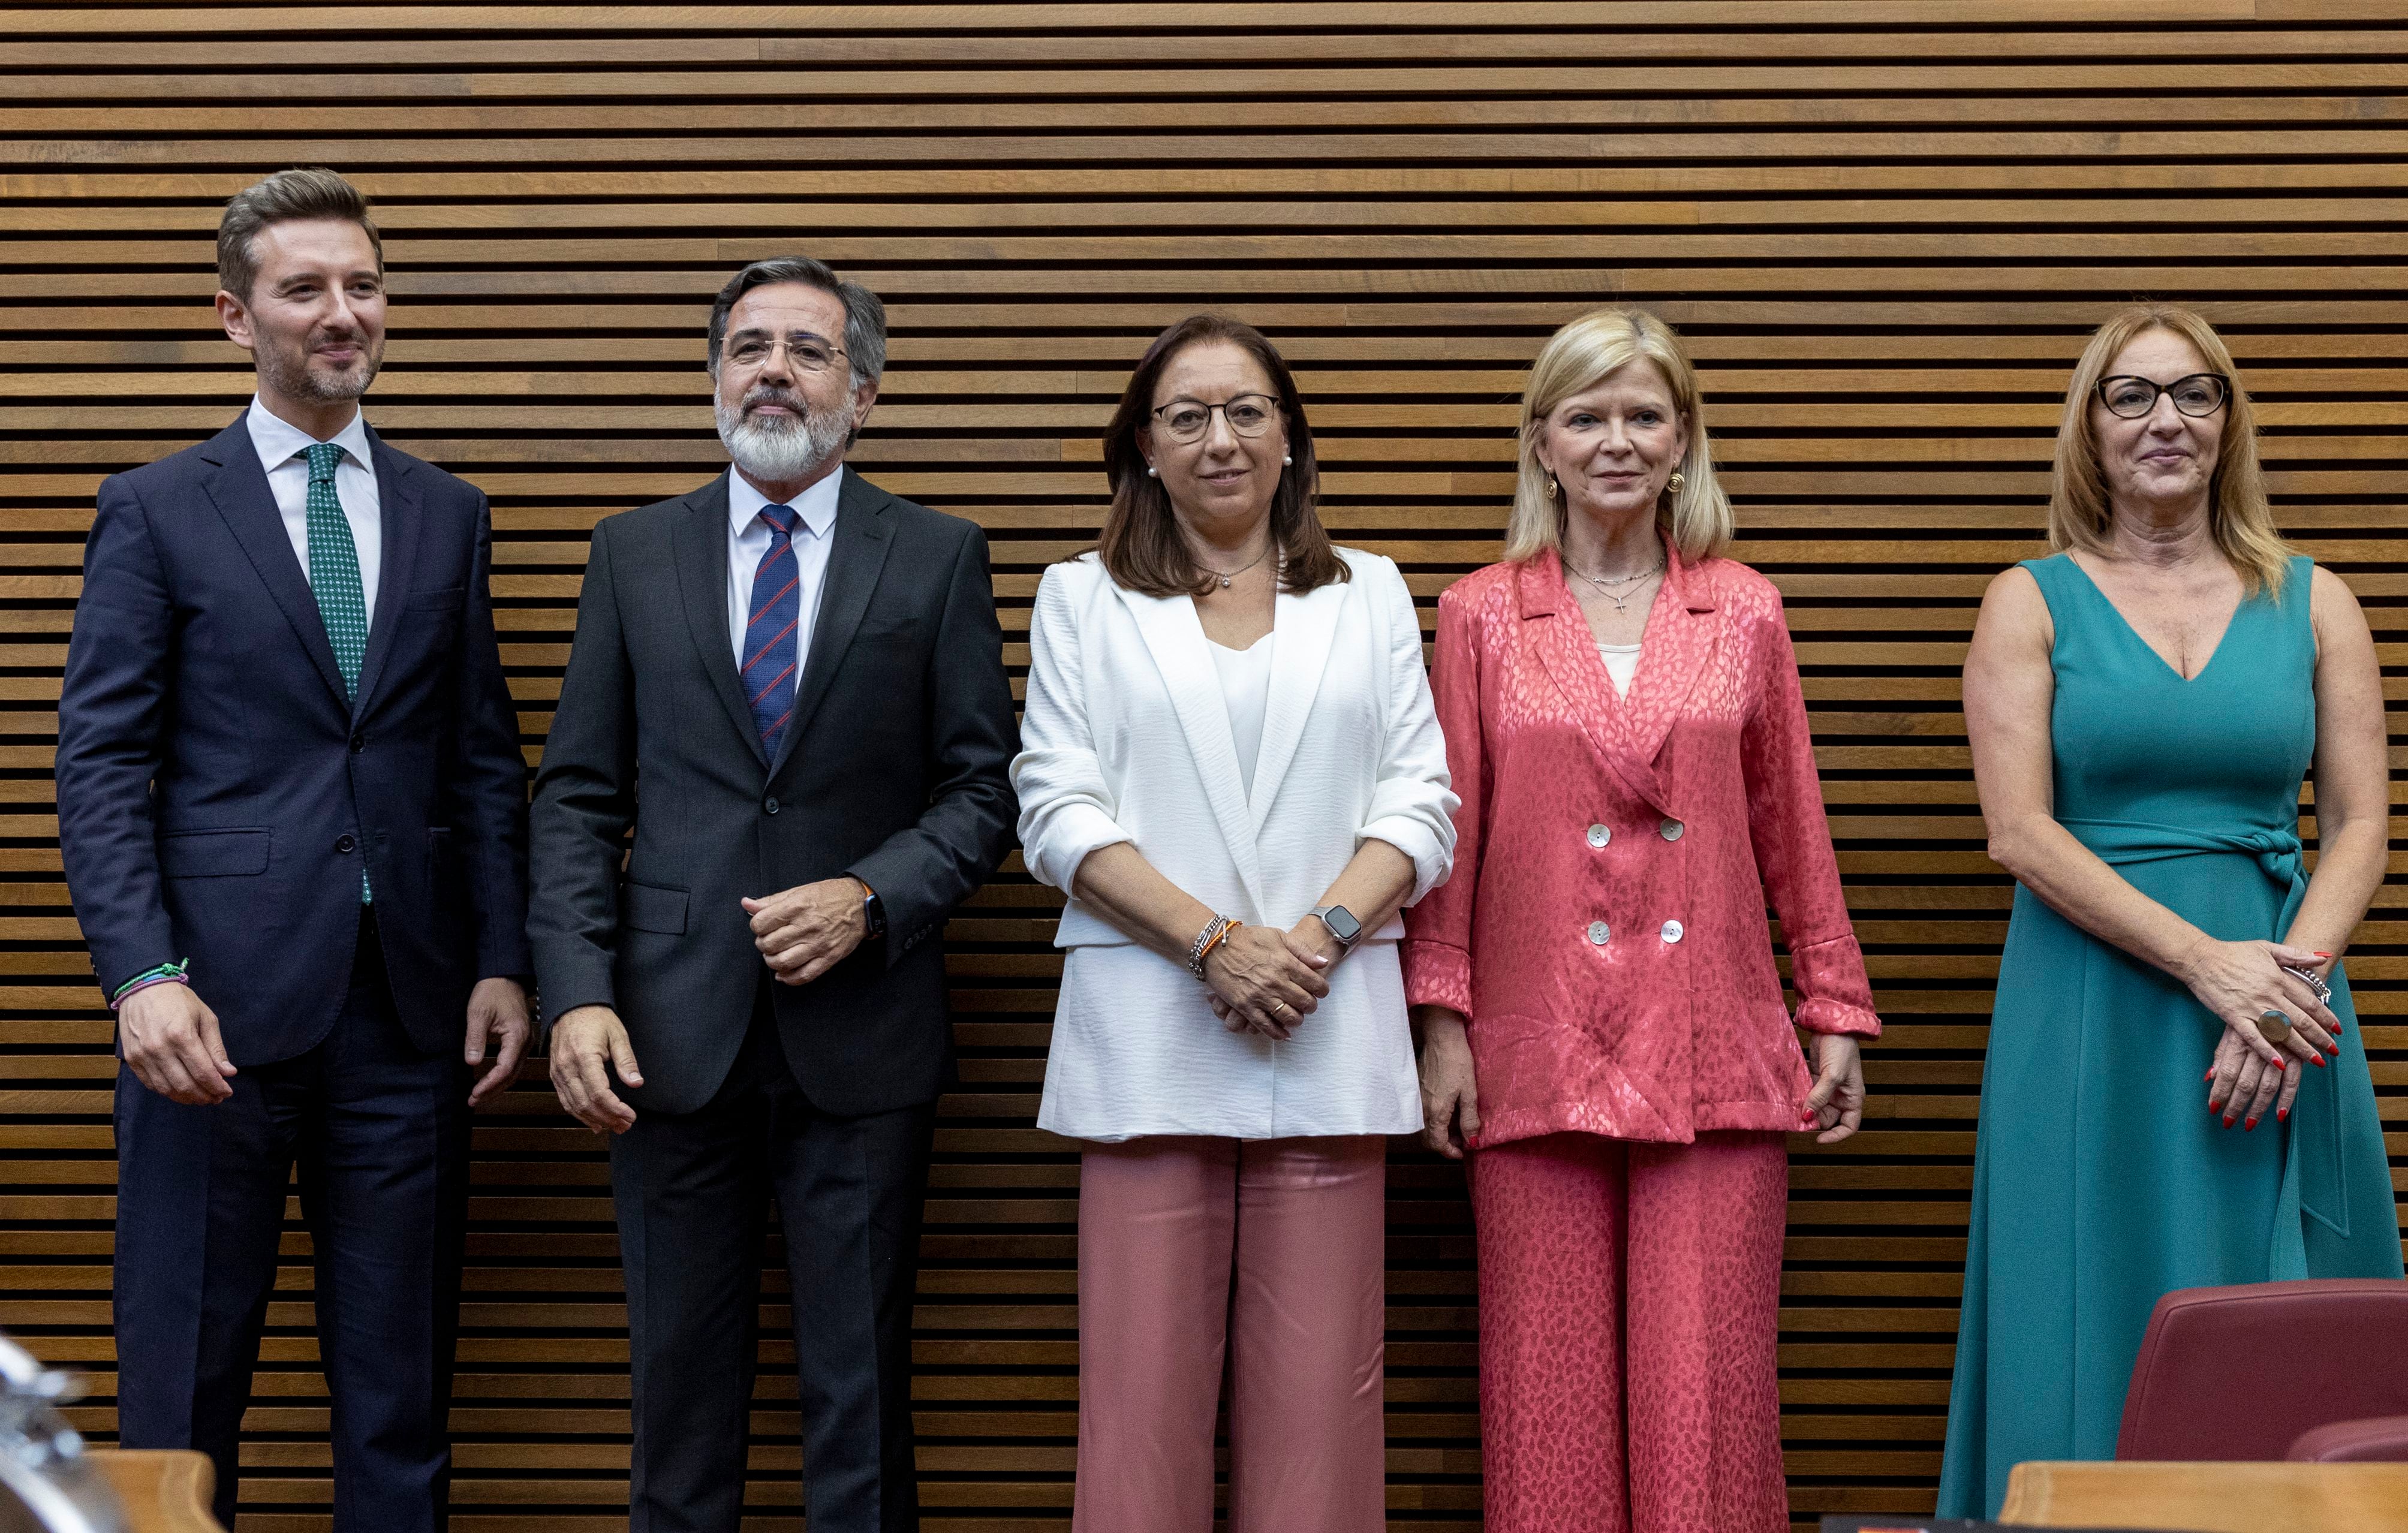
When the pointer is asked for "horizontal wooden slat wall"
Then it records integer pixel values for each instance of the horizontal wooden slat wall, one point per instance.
(1884, 226)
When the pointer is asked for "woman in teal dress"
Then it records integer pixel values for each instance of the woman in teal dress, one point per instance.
(2167, 1102)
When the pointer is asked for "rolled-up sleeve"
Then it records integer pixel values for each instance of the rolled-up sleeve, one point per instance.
(1437, 949)
(1412, 804)
(1792, 836)
(1067, 808)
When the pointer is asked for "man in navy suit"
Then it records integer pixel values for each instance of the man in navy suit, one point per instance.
(293, 811)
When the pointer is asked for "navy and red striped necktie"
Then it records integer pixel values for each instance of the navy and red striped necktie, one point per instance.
(771, 649)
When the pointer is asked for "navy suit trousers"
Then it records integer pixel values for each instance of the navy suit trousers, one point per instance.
(379, 1129)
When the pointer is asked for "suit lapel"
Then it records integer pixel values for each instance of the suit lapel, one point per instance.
(1680, 638)
(862, 535)
(1567, 649)
(1301, 630)
(399, 528)
(238, 486)
(698, 548)
(1174, 636)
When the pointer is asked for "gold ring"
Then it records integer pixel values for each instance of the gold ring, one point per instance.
(2275, 1027)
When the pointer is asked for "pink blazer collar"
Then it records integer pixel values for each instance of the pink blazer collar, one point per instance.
(1627, 732)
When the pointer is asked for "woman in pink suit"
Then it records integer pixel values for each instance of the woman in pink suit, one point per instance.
(1602, 1025)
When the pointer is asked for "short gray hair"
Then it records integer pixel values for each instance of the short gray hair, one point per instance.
(865, 317)
(285, 197)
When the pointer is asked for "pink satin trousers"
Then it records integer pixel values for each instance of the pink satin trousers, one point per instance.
(1629, 1307)
(1269, 1255)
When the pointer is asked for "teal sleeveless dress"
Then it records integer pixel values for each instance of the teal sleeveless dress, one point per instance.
(2101, 1181)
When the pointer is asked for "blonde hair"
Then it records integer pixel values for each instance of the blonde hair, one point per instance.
(1697, 517)
(2239, 517)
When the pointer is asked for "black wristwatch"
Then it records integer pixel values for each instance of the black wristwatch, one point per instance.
(1342, 924)
(873, 914)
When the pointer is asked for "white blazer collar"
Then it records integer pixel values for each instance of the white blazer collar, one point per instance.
(1175, 635)
(1304, 626)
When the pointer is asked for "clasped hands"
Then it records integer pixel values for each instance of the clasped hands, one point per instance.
(1265, 980)
(2239, 983)
(169, 1037)
(801, 934)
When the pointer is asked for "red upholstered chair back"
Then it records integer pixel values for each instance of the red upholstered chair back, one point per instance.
(2239, 1373)
(2381, 1441)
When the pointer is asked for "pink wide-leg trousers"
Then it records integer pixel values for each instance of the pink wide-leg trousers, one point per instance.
(1273, 1250)
(1629, 1301)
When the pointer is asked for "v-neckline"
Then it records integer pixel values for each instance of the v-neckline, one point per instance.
(2215, 655)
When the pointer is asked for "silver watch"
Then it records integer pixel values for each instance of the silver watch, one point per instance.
(1342, 924)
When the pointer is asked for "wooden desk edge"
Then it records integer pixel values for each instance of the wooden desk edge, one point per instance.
(165, 1490)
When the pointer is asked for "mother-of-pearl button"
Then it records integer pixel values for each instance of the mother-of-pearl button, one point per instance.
(1671, 931)
(1598, 932)
(1599, 835)
(1671, 829)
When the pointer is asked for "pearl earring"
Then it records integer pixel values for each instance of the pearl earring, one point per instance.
(1283, 458)
(1151, 472)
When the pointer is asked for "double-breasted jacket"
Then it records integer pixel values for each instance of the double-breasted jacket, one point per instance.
(1605, 929)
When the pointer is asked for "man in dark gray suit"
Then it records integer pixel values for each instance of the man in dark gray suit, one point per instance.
(790, 683)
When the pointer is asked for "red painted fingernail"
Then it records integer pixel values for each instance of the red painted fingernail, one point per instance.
(2280, 1065)
(2320, 954)
(2282, 1114)
(2319, 1059)
(2229, 1119)
(2210, 1075)
(2250, 1124)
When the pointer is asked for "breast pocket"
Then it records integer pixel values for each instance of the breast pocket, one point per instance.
(437, 603)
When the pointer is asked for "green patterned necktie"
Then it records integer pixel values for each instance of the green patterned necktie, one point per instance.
(334, 567)
(335, 578)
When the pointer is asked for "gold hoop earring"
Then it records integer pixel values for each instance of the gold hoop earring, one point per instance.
(1674, 483)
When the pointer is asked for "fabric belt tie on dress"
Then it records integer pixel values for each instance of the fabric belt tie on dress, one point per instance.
(2314, 1174)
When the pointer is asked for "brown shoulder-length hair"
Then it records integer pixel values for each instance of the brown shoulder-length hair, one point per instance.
(1140, 545)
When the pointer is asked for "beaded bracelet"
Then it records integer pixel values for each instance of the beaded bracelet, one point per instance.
(176, 973)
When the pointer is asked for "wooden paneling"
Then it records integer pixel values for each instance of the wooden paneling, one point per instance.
(1884, 226)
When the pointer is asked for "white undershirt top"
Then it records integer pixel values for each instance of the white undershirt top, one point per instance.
(1621, 663)
(1246, 691)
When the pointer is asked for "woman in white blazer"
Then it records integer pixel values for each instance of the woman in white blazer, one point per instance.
(1231, 764)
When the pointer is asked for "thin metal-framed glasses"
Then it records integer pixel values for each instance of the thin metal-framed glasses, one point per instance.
(1188, 420)
(2201, 393)
(809, 353)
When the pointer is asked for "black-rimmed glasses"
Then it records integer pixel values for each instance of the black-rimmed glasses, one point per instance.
(1188, 420)
(2201, 393)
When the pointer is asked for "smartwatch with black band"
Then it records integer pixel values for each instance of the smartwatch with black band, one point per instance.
(1342, 924)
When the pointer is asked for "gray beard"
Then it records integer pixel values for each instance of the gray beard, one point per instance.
(775, 452)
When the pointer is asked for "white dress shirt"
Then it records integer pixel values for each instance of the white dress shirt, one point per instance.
(280, 444)
(748, 544)
(1129, 737)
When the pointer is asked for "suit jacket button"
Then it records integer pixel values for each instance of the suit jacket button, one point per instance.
(345, 845)
(1599, 835)
(1672, 932)
(1599, 932)
(1671, 830)
(359, 743)
(768, 806)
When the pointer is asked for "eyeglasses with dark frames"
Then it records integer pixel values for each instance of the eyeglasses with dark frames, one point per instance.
(2201, 393)
(1188, 420)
